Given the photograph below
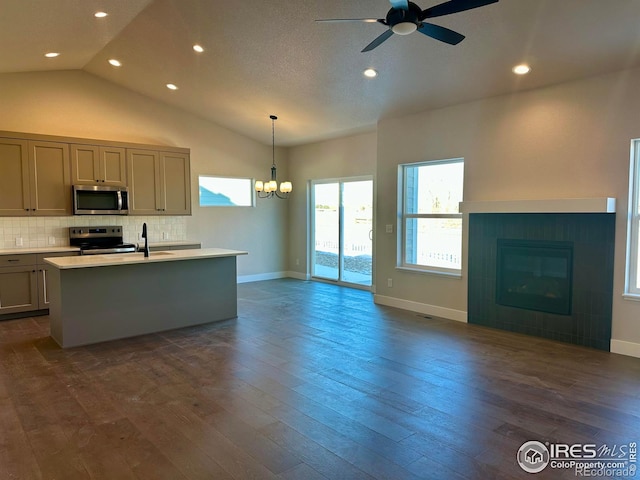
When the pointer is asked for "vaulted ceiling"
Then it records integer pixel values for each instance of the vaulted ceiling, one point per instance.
(271, 57)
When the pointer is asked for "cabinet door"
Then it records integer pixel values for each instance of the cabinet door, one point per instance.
(50, 178)
(18, 289)
(85, 165)
(92, 165)
(43, 275)
(144, 182)
(14, 178)
(175, 177)
(113, 166)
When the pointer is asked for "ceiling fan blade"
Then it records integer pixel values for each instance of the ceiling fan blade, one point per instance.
(366, 20)
(454, 6)
(400, 4)
(441, 33)
(378, 41)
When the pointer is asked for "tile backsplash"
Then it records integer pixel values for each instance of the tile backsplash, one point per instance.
(54, 231)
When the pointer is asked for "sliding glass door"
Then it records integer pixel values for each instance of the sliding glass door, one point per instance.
(342, 230)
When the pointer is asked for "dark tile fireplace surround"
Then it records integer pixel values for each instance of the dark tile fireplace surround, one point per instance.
(543, 274)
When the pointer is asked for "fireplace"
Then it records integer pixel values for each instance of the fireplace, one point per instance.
(535, 275)
(543, 274)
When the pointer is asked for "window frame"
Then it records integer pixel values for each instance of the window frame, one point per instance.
(250, 185)
(632, 290)
(403, 216)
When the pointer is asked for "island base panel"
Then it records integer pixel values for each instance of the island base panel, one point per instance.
(92, 305)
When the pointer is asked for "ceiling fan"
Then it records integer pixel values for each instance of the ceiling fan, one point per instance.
(406, 17)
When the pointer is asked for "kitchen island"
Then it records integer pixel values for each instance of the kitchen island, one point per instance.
(105, 297)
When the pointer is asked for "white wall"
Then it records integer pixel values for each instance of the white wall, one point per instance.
(566, 141)
(350, 156)
(570, 140)
(77, 104)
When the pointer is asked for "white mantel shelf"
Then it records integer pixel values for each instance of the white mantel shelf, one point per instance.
(561, 205)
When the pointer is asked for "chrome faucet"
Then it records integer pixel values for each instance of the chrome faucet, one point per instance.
(146, 239)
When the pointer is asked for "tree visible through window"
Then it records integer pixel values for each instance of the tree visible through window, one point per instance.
(431, 230)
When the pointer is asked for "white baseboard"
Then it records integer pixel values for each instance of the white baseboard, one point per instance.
(271, 276)
(625, 348)
(436, 311)
(298, 276)
(261, 276)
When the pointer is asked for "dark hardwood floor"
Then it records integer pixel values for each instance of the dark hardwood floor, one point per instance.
(312, 381)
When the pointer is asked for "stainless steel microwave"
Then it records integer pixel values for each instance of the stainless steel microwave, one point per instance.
(100, 200)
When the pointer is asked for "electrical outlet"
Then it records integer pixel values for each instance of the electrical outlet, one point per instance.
(388, 228)
(165, 236)
(389, 282)
(52, 240)
(18, 241)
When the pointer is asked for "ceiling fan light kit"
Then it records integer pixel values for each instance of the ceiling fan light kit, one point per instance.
(406, 17)
(404, 28)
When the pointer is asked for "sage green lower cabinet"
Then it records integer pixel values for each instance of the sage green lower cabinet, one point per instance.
(18, 289)
(24, 282)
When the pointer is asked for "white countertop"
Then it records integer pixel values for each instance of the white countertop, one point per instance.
(20, 251)
(168, 244)
(115, 259)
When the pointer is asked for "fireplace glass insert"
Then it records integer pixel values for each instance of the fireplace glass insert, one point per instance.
(535, 275)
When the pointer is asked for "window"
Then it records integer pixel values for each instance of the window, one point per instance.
(225, 191)
(633, 242)
(431, 225)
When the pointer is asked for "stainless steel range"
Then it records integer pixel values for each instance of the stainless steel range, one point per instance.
(99, 240)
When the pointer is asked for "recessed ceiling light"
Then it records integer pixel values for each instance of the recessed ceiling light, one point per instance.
(115, 63)
(171, 86)
(370, 73)
(522, 69)
(198, 48)
(100, 14)
(51, 54)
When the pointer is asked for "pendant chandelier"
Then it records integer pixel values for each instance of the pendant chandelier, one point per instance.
(270, 188)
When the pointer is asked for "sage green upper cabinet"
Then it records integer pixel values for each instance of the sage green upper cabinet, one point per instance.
(175, 176)
(35, 178)
(14, 177)
(50, 178)
(159, 183)
(94, 165)
(37, 172)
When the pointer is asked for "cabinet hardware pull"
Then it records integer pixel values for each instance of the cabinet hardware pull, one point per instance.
(44, 284)
(13, 260)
